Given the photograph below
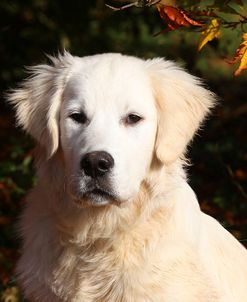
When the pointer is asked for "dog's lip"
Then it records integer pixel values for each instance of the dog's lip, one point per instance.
(97, 196)
(100, 192)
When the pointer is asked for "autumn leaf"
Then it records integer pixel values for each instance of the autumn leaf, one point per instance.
(243, 64)
(211, 32)
(175, 17)
(11, 294)
(240, 55)
(240, 174)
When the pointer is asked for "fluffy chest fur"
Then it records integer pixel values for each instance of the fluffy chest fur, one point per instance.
(133, 256)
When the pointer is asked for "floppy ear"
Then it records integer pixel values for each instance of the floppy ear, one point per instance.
(37, 101)
(182, 104)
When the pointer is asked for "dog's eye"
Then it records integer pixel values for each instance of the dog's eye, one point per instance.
(78, 117)
(132, 119)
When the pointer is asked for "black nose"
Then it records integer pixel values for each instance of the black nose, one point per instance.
(97, 163)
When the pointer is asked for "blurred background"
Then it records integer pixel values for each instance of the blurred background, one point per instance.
(29, 29)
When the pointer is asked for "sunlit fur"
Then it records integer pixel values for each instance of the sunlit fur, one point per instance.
(153, 243)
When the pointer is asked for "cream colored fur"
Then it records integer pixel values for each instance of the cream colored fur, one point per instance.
(154, 246)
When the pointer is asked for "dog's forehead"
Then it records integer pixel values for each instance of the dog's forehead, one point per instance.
(109, 78)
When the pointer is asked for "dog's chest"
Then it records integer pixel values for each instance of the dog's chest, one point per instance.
(120, 272)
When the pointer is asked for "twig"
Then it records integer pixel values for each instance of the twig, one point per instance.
(121, 7)
(139, 3)
(238, 186)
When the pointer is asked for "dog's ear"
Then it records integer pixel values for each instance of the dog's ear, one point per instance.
(37, 101)
(182, 104)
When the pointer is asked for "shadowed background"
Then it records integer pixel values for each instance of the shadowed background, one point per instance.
(31, 28)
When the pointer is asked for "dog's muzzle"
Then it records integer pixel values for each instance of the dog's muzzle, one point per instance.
(96, 167)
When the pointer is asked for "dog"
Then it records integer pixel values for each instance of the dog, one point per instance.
(112, 217)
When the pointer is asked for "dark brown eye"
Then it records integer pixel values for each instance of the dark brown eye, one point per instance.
(132, 119)
(79, 117)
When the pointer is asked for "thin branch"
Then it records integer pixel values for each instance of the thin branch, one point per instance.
(121, 7)
(139, 3)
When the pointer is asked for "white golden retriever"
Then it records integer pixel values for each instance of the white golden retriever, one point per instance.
(112, 217)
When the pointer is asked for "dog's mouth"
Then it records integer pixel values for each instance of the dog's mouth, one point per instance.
(95, 196)
(93, 193)
(99, 192)
(99, 197)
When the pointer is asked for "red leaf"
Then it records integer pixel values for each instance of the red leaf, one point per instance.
(175, 17)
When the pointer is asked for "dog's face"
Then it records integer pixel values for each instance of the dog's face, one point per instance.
(110, 116)
(108, 122)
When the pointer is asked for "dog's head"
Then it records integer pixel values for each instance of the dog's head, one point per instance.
(111, 115)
